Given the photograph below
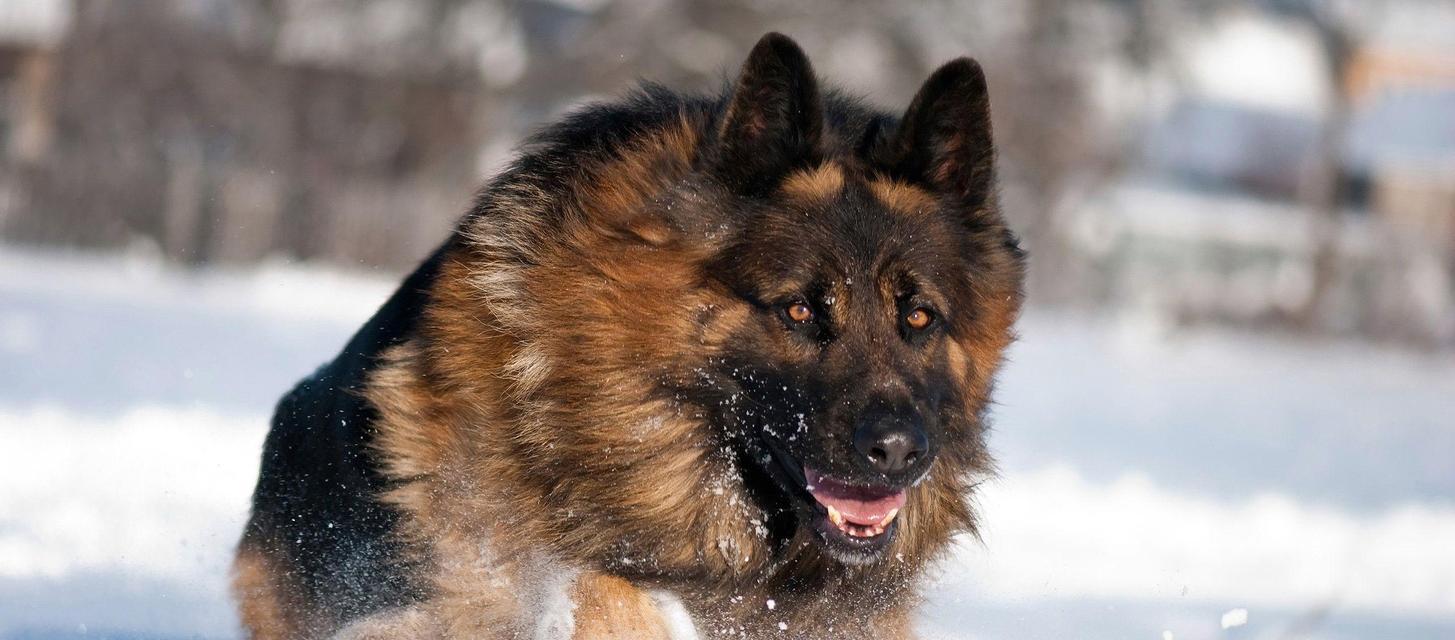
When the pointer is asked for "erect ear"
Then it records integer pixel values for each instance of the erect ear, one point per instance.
(944, 138)
(774, 120)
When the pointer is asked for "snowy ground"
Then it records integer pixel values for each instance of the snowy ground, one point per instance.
(1152, 481)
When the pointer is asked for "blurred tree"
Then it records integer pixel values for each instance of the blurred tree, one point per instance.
(354, 131)
(1326, 186)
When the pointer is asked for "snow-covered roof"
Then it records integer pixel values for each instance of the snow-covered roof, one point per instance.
(1252, 59)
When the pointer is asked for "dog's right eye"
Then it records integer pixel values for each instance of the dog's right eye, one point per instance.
(799, 312)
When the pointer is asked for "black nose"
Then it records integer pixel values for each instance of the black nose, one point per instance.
(891, 442)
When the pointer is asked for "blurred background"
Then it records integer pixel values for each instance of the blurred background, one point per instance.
(1231, 413)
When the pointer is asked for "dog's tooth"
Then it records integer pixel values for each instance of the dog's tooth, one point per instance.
(835, 517)
(889, 517)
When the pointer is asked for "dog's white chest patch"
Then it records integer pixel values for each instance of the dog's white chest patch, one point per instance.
(674, 615)
(556, 618)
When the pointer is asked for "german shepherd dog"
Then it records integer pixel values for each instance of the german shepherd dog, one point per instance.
(691, 366)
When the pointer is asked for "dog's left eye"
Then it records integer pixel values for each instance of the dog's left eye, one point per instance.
(919, 318)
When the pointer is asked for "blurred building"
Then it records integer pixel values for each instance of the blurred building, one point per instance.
(1218, 222)
(1215, 145)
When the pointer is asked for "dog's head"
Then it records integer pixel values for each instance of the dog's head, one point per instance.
(882, 282)
(762, 324)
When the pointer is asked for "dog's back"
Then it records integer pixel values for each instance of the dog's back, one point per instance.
(318, 539)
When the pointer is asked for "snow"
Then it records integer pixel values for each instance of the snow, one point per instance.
(1151, 481)
(678, 621)
(556, 618)
(1235, 618)
(150, 491)
(1132, 538)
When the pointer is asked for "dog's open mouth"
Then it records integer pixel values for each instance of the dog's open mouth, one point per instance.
(855, 522)
(855, 510)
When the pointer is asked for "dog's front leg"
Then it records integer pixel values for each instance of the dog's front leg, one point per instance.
(608, 607)
(412, 623)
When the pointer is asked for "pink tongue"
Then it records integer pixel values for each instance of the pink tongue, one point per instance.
(859, 505)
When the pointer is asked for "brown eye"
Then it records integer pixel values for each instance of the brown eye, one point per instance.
(918, 319)
(800, 312)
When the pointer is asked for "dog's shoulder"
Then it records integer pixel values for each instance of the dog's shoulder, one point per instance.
(325, 420)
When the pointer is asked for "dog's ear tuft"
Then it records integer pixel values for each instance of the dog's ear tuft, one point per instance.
(944, 138)
(774, 120)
